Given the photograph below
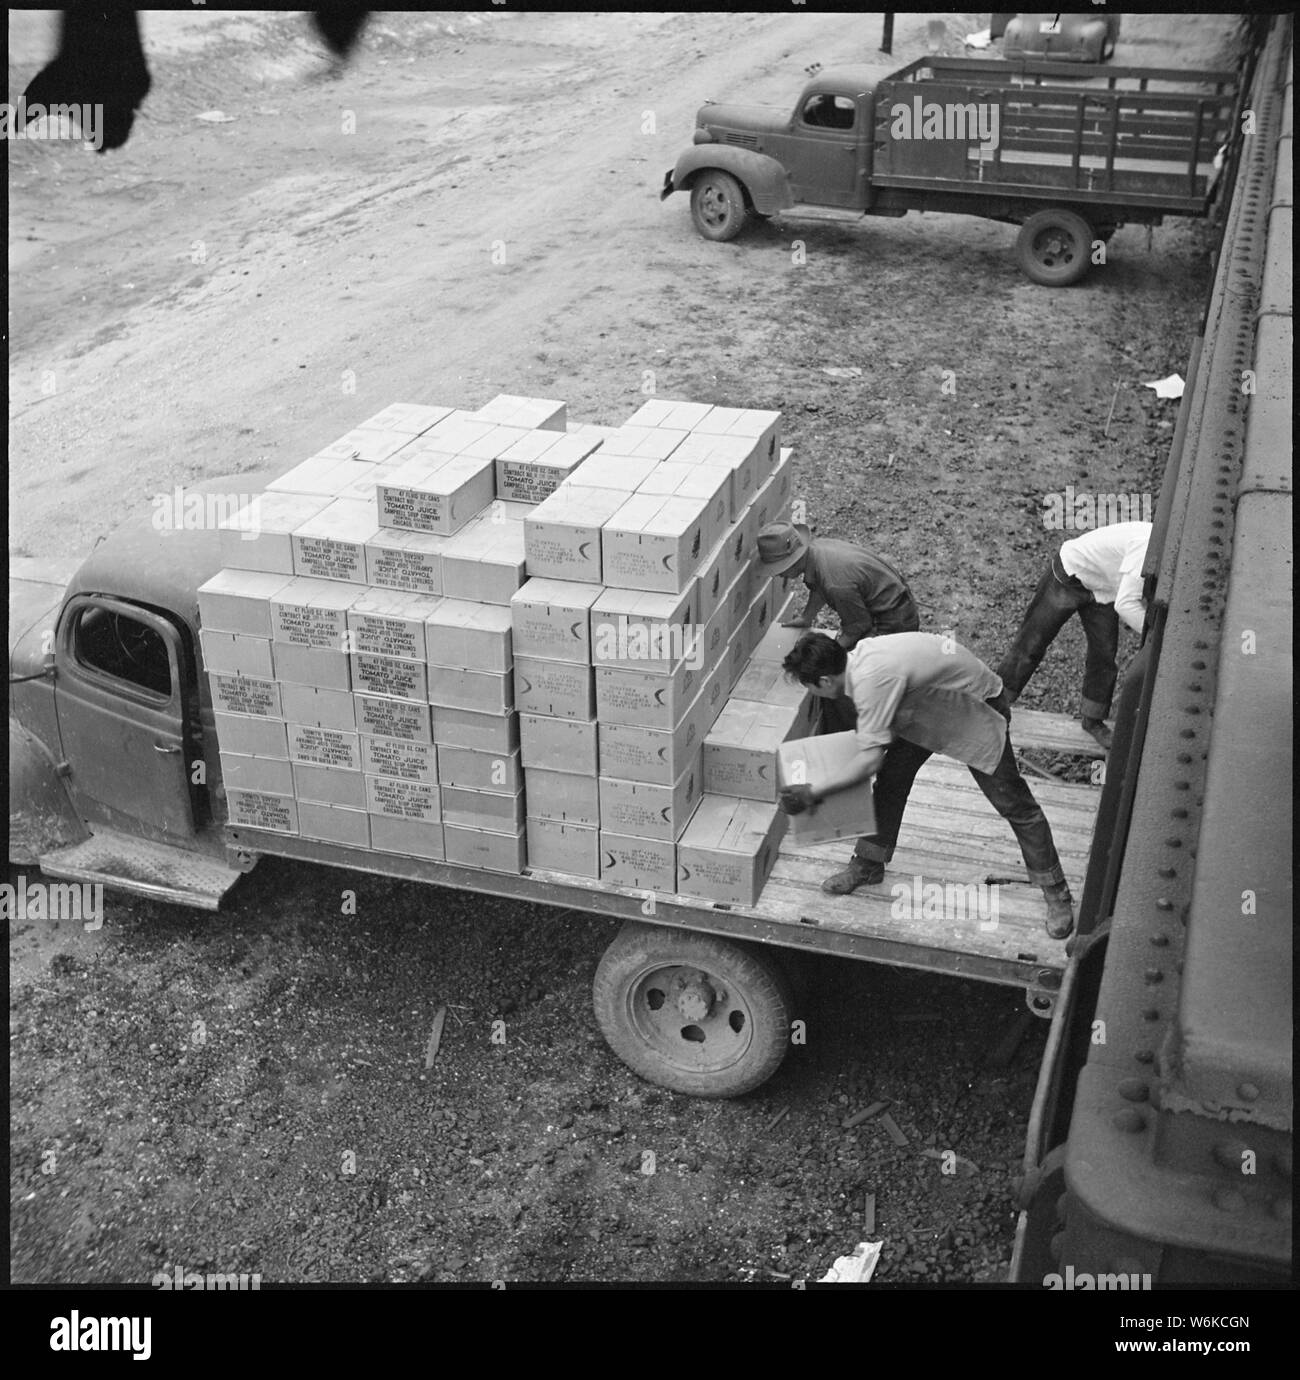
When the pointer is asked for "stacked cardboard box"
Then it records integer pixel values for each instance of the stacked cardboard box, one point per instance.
(483, 636)
(358, 640)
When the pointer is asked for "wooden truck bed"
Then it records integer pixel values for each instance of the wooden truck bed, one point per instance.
(950, 835)
(1128, 137)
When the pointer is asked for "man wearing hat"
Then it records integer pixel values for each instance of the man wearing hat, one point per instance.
(868, 595)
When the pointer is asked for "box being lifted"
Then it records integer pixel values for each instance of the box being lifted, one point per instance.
(811, 761)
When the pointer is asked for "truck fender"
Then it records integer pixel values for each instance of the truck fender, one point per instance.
(763, 178)
(41, 816)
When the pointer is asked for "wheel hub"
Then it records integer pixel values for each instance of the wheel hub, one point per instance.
(695, 997)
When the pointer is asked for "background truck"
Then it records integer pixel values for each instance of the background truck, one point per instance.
(1061, 37)
(1068, 156)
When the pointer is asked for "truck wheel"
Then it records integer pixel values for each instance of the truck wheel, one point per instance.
(1054, 246)
(692, 1012)
(718, 205)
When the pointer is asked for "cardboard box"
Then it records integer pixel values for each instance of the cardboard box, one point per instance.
(253, 736)
(647, 698)
(655, 442)
(557, 846)
(246, 695)
(309, 704)
(313, 613)
(260, 535)
(406, 419)
(728, 850)
(772, 502)
(333, 824)
(639, 864)
(324, 747)
(482, 848)
(329, 785)
(412, 838)
(493, 444)
(356, 479)
(262, 810)
(777, 642)
(388, 622)
(473, 637)
(810, 761)
(464, 728)
(737, 454)
(321, 474)
(568, 745)
(239, 601)
(626, 473)
(324, 667)
(234, 654)
(658, 756)
(765, 682)
(485, 849)
(709, 482)
(562, 534)
(536, 465)
(761, 428)
(552, 619)
(408, 561)
(492, 810)
(484, 562)
(640, 631)
(381, 717)
(758, 618)
(400, 799)
(480, 771)
(368, 443)
(740, 751)
(655, 812)
(435, 494)
(560, 689)
(511, 409)
(671, 413)
(390, 676)
(457, 430)
(396, 757)
(654, 543)
(484, 692)
(271, 774)
(563, 795)
(332, 544)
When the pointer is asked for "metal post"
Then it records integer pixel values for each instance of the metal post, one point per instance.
(887, 35)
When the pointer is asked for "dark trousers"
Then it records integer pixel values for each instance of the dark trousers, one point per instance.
(1056, 599)
(1005, 789)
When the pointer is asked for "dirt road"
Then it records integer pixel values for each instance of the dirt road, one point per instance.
(473, 208)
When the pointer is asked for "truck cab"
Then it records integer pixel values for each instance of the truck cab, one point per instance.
(114, 771)
(754, 160)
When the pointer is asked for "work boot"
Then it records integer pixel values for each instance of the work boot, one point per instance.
(1099, 731)
(1060, 911)
(858, 873)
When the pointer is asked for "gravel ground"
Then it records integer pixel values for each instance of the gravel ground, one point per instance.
(249, 1091)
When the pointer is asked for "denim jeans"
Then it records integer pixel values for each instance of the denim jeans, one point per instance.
(1057, 597)
(1005, 789)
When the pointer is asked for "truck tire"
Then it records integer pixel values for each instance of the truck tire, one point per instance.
(692, 1012)
(1054, 246)
(718, 205)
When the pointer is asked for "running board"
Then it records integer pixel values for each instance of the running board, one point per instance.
(158, 871)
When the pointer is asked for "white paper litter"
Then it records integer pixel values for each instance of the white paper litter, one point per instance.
(216, 117)
(1172, 387)
(835, 372)
(979, 40)
(856, 1268)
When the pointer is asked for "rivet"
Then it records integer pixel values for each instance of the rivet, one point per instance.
(1130, 1120)
(1134, 1090)
(1185, 757)
(1248, 1092)
(1160, 940)
(1182, 785)
(1173, 843)
(1179, 813)
(1164, 903)
(1152, 1013)
(1187, 733)
(1145, 1056)
(1153, 975)
(1166, 872)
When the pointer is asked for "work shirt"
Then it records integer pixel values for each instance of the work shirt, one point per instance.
(862, 588)
(929, 690)
(1108, 560)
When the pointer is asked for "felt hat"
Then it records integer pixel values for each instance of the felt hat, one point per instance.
(783, 544)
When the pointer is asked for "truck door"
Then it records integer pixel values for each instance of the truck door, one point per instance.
(824, 151)
(120, 691)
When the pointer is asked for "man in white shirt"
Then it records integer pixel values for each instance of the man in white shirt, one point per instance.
(1098, 576)
(916, 694)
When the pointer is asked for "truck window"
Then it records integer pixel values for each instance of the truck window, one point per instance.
(829, 112)
(115, 645)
